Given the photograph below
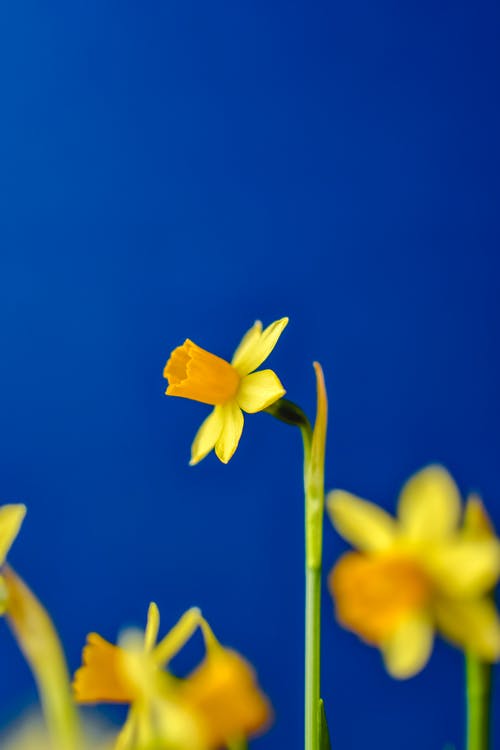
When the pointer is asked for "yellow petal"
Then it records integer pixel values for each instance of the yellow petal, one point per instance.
(429, 505)
(363, 524)
(465, 568)
(472, 625)
(407, 650)
(11, 518)
(125, 738)
(259, 390)
(152, 627)
(257, 348)
(247, 343)
(177, 637)
(477, 523)
(207, 435)
(231, 431)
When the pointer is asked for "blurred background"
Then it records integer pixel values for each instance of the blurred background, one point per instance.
(178, 169)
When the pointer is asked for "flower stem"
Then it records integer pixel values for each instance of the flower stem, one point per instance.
(478, 680)
(312, 658)
(39, 642)
(314, 461)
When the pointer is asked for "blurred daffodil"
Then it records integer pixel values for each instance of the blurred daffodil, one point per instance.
(231, 388)
(132, 673)
(11, 518)
(224, 694)
(217, 704)
(420, 572)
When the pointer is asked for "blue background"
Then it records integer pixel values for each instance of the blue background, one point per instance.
(180, 168)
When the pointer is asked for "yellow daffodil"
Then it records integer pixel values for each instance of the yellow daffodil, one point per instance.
(132, 673)
(11, 518)
(218, 703)
(417, 573)
(224, 694)
(231, 388)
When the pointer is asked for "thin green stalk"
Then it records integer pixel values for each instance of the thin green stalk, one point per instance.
(312, 662)
(314, 457)
(478, 696)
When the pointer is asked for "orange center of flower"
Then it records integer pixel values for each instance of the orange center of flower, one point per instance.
(374, 594)
(194, 373)
(101, 679)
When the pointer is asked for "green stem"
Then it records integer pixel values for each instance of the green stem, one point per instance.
(314, 444)
(312, 663)
(479, 679)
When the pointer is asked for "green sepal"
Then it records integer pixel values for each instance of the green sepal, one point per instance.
(324, 734)
(288, 412)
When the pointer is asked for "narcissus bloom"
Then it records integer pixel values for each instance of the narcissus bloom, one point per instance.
(231, 388)
(420, 572)
(11, 518)
(132, 673)
(224, 694)
(218, 703)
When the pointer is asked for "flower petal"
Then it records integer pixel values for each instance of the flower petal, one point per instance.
(259, 390)
(477, 523)
(363, 524)
(465, 567)
(408, 649)
(231, 431)
(247, 343)
(177, 636)
(207, 435)
(11, 518)
(152, 627)
(472, 625)
(254, 349)
(429, 505)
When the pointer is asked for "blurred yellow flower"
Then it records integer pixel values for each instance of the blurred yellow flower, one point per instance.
(11, 518)
(417, 573)
(218, 703)
(132, 673)
(231, 388)
(224, 694)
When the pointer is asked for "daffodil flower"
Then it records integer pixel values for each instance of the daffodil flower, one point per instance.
(416, 574)
(218, 703)
(231, 388)
(132, 673)
(11, 518)
(224, 694)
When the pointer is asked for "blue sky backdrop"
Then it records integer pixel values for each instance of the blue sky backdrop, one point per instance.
(179, 168)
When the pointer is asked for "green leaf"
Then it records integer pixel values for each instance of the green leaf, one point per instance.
(324, 734)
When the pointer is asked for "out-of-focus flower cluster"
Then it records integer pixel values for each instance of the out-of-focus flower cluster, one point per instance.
(218, 705)
(431, 569)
